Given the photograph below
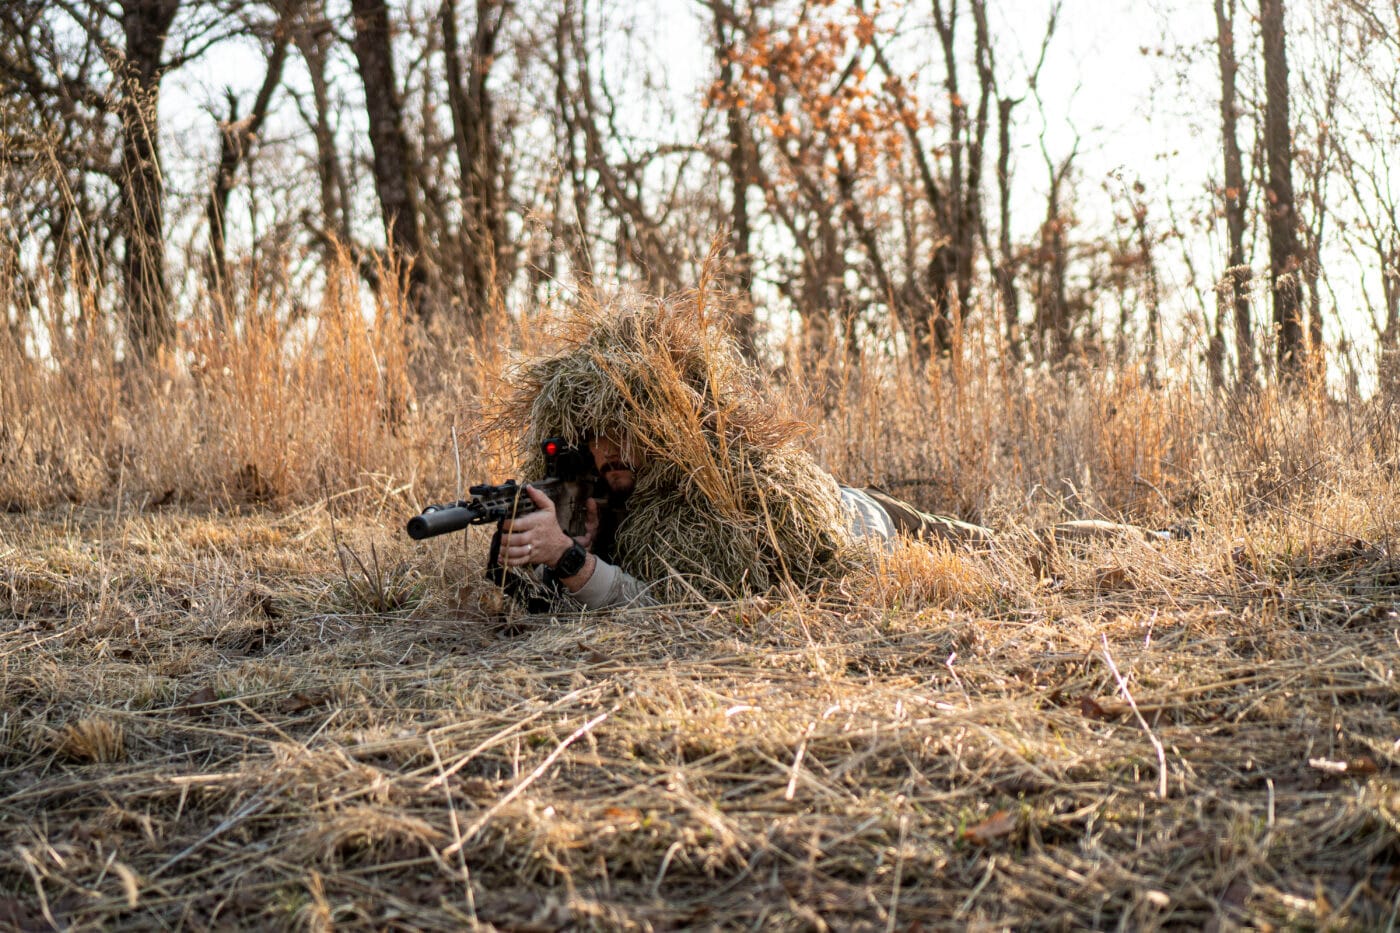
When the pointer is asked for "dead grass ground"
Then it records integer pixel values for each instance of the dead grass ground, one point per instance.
(208, 720)
(257, 718)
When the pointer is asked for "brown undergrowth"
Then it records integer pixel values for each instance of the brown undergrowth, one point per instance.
(207, 722)
(233, 694)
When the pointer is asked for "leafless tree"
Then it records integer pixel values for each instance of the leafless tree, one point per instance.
(237, 135)
(739, 157)
(1235, 193)
(844, 160)
(1365, 156)
(1315, 155)
(96, 69)
(628, 212)
(955, 198)
(60, 142)
(145, 24)
(393, 164)
(314, 39)
(487, 257)
(1054, 317)
(1285, 263)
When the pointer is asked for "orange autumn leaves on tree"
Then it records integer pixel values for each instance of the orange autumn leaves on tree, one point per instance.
(808, 86)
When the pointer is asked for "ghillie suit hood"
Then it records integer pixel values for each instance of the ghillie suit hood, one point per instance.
(725, 500)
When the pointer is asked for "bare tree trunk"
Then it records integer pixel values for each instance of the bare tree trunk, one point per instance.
(1317, 173)
(313, 37)
(925, 306)
(940, 280)
(1153, 290)
(146, 24)
(1006, 262)
(1312, 275)
(740, 175)
(970, 222)
(235, 138)
(961, 220)
(393, 177)
(1284, 264)
(1236, 194)
(580, 231)
(1390, 289)
(1215, 350)
(478, 154)
(1053, 320)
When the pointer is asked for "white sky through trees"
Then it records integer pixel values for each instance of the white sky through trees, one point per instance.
(1134, 82)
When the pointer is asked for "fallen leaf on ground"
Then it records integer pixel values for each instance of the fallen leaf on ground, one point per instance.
(1360, 765)
(593, 654)
(299, 702)
(1000, 823)
(202, 696)
(1093, 709)
(624, 817)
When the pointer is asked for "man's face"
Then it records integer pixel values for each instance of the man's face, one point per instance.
(612, 465)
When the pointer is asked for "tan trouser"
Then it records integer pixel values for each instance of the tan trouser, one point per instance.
(910, 521)
(1094, 530)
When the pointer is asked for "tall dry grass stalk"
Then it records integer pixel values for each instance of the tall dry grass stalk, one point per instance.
(277, 408)
(348, 397)
(1008, 446)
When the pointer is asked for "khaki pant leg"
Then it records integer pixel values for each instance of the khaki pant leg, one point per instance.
(910, 521)
(1095, 530)
(1043, 557)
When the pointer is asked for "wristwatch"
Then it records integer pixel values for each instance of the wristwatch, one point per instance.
(571, 562)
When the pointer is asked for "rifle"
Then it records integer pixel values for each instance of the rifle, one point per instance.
(570, 479)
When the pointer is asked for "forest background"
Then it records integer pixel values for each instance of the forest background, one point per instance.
(875, 174)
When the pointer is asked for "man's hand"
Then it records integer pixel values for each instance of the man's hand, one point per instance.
(536, 538)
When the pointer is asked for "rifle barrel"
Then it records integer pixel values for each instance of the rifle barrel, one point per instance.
(442, 519)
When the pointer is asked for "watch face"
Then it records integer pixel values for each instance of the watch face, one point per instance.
(571, 562)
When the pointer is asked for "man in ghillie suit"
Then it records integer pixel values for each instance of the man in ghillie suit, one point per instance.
(710, 495)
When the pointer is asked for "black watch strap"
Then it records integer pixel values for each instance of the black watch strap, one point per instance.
(571, 562)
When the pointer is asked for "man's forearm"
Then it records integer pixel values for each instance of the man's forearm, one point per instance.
(579, 580)
(600, 585)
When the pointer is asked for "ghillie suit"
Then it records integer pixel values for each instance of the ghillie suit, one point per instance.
(725, 502)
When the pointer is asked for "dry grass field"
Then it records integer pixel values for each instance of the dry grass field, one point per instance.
(233, 694)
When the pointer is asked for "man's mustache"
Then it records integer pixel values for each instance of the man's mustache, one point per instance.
(613, 465)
